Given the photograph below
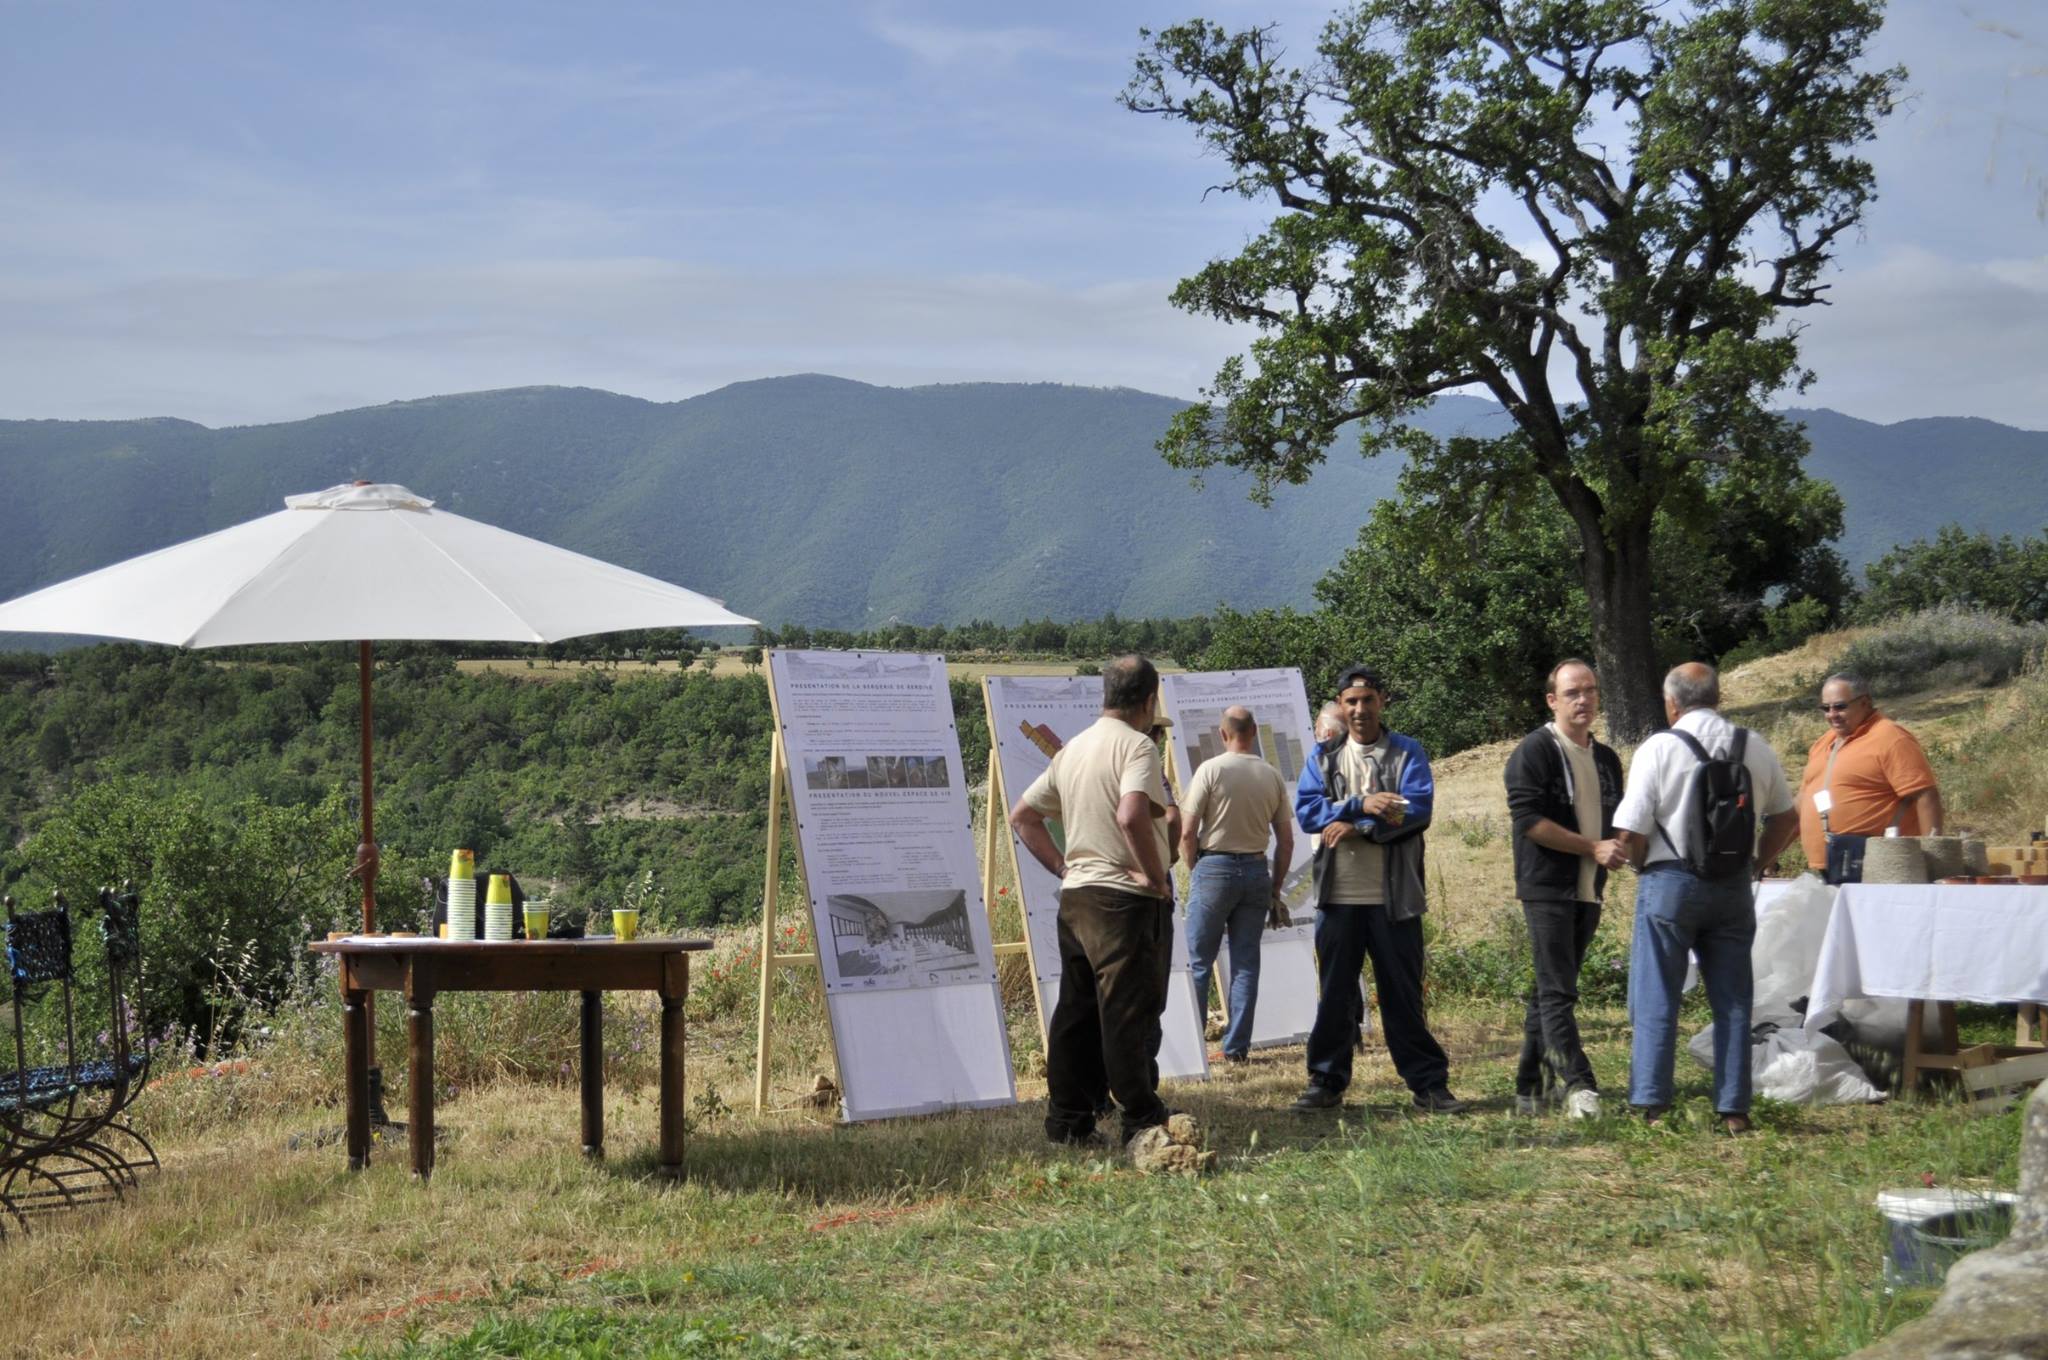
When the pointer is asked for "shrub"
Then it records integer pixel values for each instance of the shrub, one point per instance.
(1944, 647)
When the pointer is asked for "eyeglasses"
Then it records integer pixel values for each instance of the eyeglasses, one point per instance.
(1836, 708)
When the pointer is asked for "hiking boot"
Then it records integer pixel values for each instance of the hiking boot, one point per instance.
(1318, 1098)
(1583, 1103)
(1093, 1138)
(1439, 1100)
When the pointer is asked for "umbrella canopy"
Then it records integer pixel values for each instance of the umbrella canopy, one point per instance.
(360, 563)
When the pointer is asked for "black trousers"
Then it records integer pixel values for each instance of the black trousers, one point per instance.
(1116, 952)
(1559, 934)
(1345, 938)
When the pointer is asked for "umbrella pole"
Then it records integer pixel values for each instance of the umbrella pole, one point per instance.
(366, 853)
(366, 869)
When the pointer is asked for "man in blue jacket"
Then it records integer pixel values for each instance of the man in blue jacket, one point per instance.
(1366, 797)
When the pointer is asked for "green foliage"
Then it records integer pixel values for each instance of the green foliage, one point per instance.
(1464, 612)
(2003, 575)
(230, 894)
(1944, 647)
(1687, 172)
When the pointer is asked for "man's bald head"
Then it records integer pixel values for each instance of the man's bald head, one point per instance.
(1239, 729)
(1691, 685)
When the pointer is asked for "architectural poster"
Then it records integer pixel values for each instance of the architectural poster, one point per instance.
(886, 841)
(1286, 738)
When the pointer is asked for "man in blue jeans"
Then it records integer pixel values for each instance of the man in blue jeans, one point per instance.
(1235, 806)
(1678, 910)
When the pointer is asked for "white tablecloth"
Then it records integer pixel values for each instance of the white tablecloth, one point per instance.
(1932, 943)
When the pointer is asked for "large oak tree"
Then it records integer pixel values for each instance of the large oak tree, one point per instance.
(1597, 211)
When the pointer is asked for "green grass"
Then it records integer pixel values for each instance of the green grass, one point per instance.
(1376, 1232)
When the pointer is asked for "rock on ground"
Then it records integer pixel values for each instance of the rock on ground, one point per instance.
(1172, 1148)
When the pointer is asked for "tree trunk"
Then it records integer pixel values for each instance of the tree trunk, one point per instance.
(1617, 579)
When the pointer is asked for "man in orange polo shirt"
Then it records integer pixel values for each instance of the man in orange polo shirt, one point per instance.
(1863, 773)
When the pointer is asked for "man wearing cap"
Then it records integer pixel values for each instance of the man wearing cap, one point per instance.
(1115, 917)
(1237, 804)
(1366, 795)
(1864, 774)
(1563, 785)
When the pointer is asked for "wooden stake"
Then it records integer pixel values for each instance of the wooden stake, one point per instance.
(782, 783)
(770, 892)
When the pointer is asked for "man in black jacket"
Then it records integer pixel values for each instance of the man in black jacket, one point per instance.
(1563, 787)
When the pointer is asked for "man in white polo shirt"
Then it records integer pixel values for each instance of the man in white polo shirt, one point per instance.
(1235, 806)
(1107, 788)
(1689, 900)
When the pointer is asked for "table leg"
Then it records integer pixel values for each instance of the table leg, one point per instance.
(1909, 1068)
(419, 1031)
(675, 987)
(2030, 1014)
(355, 1046)
(672, 1085)
(593, 1074)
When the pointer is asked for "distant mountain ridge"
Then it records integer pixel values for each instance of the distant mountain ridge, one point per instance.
(827, 502)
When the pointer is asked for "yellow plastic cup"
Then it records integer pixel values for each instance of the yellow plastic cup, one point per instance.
(536, 923)
(626, 923)
(499, 894)
(462, 864)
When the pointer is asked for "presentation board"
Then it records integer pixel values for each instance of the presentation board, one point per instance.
(1029, 718)
(885, 838)
(1286, 738)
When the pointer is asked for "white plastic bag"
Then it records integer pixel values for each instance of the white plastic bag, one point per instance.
(1799, 1067)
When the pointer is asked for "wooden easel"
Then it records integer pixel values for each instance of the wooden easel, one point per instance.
(781, 788)
(995, 841)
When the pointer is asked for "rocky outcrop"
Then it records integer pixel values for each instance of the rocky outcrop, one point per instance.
(1995, 1304)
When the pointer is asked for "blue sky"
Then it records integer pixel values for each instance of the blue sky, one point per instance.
(237, 213)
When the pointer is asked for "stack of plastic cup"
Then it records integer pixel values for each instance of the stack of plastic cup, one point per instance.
(462, 895)
(498, 908)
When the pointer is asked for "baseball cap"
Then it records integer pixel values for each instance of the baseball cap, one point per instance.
(1360, 675)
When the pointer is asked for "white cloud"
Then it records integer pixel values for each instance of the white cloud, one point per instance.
(1920, 334)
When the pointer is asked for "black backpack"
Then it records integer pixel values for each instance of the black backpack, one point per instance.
(1723, 839)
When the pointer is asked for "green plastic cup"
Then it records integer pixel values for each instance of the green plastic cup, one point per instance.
(626, 923)
(536, 923)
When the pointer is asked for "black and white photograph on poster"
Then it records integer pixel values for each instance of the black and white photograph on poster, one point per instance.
(836, 773)
(881, 939)
(1031, 717)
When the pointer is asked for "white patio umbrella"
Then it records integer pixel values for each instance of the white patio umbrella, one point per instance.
(356, 564)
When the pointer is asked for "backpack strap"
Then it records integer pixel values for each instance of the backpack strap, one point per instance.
(1700, 754)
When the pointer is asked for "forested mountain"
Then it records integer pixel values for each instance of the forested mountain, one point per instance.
(825, 502)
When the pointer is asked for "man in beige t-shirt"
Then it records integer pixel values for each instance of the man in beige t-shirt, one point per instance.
(1107, 788)
(1235, 806)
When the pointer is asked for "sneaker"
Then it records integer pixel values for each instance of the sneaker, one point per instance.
(1439, 1100)
(1531, 1106)
(1094, 1138)
(1736, 1124)
(1583, 1103)
(1318, 1098)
